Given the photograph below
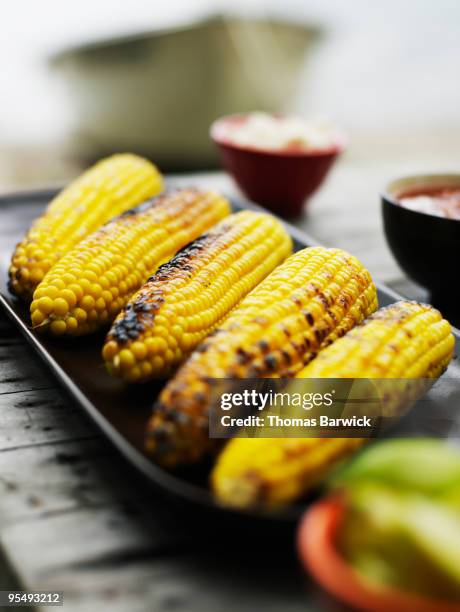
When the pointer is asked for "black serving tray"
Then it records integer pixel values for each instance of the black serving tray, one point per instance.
(121, 411)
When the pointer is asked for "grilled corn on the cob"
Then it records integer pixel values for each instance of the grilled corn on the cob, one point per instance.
(188, 296)
(405, 340)
(316, 296)
(107, 189)
(275, 471)
(89, 286)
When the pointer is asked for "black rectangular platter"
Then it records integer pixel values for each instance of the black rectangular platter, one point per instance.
(121, 412)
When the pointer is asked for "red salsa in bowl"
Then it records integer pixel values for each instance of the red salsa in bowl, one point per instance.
(440, 202)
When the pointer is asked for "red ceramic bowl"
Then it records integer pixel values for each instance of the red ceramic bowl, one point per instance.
(280, 180)
(317, 549)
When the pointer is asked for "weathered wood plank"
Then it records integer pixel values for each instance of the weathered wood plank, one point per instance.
(67, 476)
(107, 560)
(83, 524)
(21, 370)
(42, 546)
(39, 417)
(190, 583)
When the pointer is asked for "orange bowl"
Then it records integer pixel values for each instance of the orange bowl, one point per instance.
(279, 179)
(318, 552)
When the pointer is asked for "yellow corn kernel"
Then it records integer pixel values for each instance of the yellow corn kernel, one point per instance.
(109, 188)
(71, 325)
(126, 251)
(37, 318)
(211, 276)
(58, 328)
(311, 299)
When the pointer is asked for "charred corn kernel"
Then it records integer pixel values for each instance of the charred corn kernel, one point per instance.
(404, 341)
(311, 299)
(210, 276)
(275, 471)
(126, 251)
(109, 188)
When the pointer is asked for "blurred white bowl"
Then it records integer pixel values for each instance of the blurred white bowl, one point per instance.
(157, 93)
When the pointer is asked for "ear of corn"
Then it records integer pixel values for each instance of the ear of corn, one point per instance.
(109, 188)
(188, 296)
(317, 295)
(89, 286)
(403, 341)
(274, 471)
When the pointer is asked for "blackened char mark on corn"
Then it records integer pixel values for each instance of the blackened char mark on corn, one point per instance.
(200, 286)
(308, 316)
(304, 305)
(156, 201)
(134, 321)
(264, 346)
(185, 259)
(242, 356)
(140, 314)
(271, 362)
(287, 357)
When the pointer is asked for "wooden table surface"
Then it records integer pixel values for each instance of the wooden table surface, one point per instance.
(75, 518)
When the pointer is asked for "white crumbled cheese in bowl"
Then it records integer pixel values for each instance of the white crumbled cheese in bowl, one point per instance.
(264, 131)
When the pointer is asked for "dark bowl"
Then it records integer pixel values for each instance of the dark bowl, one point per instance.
(280, 180)
(426, 247)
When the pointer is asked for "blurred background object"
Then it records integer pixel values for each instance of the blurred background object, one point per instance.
(282, 175)
(158, 92)
(382, 72)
